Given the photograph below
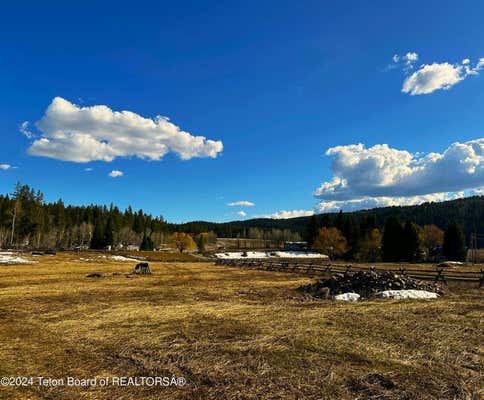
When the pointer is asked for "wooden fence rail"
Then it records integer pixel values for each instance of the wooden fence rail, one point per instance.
(315, 267)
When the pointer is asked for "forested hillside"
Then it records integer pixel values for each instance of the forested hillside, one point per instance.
(26, 220)
(468, 212)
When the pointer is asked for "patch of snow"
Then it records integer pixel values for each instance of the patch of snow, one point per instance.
(9, 258)
(347, 296)
(450, 264)
(122, 258)
(407, 294)
(270, 254)
(113, 257)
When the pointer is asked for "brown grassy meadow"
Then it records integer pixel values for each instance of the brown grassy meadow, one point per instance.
(231, 333)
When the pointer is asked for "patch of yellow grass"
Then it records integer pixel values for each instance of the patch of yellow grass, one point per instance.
(233, 334)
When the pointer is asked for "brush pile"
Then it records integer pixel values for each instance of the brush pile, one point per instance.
(367, 284)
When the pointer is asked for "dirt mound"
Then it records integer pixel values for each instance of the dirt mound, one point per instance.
(366, 284)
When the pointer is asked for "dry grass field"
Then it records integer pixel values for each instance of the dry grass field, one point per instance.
(232, 334)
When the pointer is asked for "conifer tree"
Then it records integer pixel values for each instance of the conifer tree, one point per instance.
(98, 237)
(146, 243)
(410, 242)
(392, 240)
(454, 243)
(109, 232)
(201, 242)
(312, 230)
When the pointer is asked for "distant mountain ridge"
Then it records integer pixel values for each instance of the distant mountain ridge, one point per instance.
(468, 212)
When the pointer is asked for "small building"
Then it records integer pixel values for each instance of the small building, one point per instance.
(296, 246)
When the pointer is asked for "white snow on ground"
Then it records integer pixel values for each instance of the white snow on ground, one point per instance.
(347, 296)
(12, 258)
(115, 258)
(407, 294)
(450, 264)
(270, 254)
(122, 258)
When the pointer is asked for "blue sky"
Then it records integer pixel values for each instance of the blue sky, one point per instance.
(277, 83)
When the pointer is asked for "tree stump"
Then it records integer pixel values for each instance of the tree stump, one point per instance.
(142, 269)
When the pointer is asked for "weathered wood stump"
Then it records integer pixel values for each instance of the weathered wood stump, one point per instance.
(142, 269)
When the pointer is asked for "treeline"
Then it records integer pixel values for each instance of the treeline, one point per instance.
(27, 221)
(343, 236)
(467, 212)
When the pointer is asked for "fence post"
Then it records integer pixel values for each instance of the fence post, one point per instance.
(440, 276)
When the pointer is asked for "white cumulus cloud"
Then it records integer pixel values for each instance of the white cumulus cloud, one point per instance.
(115, 173)
(5, 167)
(381, 176)
(439, 76)
(283, 214)
(365, 203)
(81, 134)
(241, 203)
(241, 213)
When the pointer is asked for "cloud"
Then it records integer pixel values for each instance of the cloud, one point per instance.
(439, 76)
(405, 61)
(115, 173)
(88, 169)
(477, 192)
(241, 213)
(5, 167)
(381, 175)
(411, 57)
(24, 128)
(82, 134)
(365, 203)
(283, 214)
(241, 203)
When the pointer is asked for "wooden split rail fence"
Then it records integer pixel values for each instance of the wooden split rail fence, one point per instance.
(320, 268)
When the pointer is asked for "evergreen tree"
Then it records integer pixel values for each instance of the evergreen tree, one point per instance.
(312, 230)
(146, 243)
(339, 220)
(411, 242)
(392, 240)
(454, 243)
(351, 231)
(109, 232)
(201, 242)
(98, 237)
